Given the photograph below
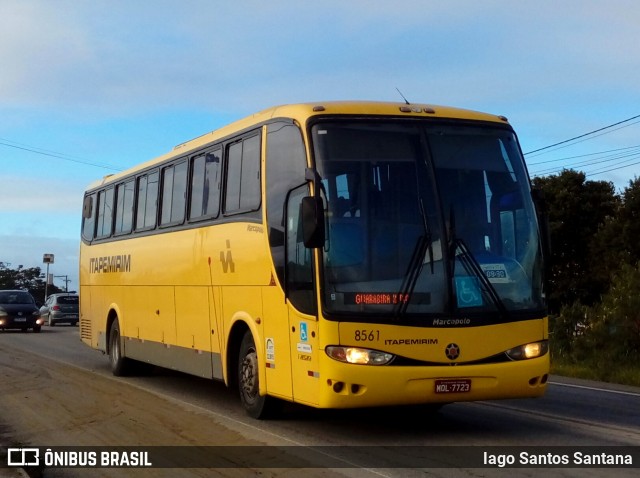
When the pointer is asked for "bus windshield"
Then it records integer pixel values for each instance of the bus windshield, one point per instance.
(426, 221)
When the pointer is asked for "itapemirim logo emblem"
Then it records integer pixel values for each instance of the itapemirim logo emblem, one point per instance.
(452, 351)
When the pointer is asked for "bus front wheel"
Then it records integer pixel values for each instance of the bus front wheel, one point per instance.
(256, 405)
(120, 365)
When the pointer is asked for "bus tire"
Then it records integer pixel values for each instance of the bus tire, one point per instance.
(256, 405)
(120, 365)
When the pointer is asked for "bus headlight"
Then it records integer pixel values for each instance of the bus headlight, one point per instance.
(528, 351)
(358, 355)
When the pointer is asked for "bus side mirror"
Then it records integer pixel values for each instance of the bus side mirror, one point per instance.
(87, 207)
(312, 222)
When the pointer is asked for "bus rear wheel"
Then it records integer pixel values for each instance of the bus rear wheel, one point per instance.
(256, 405)
(120, 365)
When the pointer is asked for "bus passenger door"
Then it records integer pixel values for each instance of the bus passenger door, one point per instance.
(304, 357)
(300, 289)
(276, 342)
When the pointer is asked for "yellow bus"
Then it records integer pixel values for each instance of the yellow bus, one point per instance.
(337, 254)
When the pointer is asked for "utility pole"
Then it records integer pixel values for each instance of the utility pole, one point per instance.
(47, 259)
(66, 282)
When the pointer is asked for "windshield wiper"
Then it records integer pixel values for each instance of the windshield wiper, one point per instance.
(416, 263)
(472, 266)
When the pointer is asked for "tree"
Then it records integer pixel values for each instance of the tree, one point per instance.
(630, 219)
(577, 209)
(566, 328)
(617, 322)
(595, 274)
(616, 243)
(31, 279)
(610, 337)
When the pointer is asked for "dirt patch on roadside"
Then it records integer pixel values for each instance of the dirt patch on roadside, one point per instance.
(45, 403)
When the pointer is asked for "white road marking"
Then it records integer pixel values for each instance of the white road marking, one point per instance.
(619, 392)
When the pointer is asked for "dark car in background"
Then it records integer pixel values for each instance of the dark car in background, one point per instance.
(18, 310)
(61, 309)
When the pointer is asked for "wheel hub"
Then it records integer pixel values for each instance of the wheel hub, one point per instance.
(249, 376)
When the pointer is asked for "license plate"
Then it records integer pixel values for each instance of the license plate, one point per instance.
(20, 319)
(457, 385)
(72, 316)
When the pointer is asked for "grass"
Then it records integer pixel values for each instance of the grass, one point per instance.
(624, 374)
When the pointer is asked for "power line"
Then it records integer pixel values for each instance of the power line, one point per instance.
(613, 169)
(613, 164)
(599, 169)
(628, 154)
(583, 155)
(53, 154)
(583, 135)
(581, 141)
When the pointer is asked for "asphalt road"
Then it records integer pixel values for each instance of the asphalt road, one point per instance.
(573, 413)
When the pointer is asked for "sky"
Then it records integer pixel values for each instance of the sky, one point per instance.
(89, 88)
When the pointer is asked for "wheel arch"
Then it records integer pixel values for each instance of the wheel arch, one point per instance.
(239, 328)
(112, 316)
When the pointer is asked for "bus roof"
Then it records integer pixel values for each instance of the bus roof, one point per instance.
(303, 111)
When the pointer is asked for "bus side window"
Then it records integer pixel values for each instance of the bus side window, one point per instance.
(174, 190)
(105, 213)
(285, 164)
(205, 185)
(124, 207)
(299, 259)
(146, 201)
(243, 176)
(89, 217)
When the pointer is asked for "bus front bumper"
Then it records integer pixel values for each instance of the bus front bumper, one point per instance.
(349, 386)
